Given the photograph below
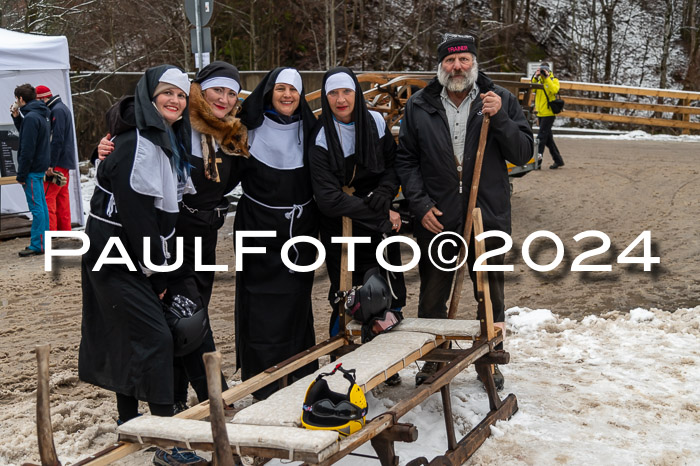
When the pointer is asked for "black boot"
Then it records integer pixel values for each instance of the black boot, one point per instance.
(428, 369)
(498, 379)
(393, 380)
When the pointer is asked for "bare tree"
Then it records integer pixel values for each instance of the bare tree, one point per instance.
(608, 10)
(665, 47)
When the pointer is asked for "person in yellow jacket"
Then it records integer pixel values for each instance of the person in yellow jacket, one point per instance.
(545, 116)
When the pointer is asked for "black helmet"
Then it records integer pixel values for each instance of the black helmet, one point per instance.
(369, 300)
(325, 409)
(189, 324)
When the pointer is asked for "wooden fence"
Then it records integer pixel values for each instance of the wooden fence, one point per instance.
(625, 104)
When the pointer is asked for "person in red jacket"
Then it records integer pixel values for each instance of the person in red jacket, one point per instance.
(62, 159)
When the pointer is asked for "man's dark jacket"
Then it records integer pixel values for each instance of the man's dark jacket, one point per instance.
(427, 168)
(34, 139)
(62, 147)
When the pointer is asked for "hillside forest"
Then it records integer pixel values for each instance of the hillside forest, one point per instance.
(648, 43)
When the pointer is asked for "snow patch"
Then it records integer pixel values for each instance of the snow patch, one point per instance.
(636, 135)
(641, 315)
(524, 320)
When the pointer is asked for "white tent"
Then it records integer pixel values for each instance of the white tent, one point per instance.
(28, 58)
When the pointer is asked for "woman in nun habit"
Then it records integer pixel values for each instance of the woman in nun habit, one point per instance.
(219, 144)
(274, 318)
(219, 141)
(352, 146)
(126, 345)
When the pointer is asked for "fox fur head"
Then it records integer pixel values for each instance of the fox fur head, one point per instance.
(229, 133)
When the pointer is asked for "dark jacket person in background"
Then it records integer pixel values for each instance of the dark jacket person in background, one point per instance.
(435, 161)
(62, 159)
(31, 117)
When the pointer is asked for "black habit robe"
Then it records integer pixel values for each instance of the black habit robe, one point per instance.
(274, 318)
(359, 155)
(126, 344)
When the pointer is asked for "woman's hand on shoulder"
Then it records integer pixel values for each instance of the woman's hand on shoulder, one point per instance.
(105, 147)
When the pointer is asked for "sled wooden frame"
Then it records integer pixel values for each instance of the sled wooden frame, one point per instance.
(381, 431)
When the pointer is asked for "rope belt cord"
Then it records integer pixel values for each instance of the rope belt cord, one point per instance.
(297, 209)
(111, 205)
(116, 224)
(194, 210)
(164, 244)
(190, 209)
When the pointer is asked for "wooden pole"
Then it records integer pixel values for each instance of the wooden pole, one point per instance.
(459, 278)
(482, 284)
(345, 275)
(47, 449)
(223, 455)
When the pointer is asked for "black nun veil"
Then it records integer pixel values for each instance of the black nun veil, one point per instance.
(365, 130)
(218, 69)
(175, 140)
(149, 122)
(260, 101)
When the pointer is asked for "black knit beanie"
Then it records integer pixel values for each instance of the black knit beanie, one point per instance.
(455, 43)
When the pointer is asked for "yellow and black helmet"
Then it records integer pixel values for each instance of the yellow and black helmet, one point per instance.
(325, 409)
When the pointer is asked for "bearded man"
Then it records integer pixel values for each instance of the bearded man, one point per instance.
(438, 141)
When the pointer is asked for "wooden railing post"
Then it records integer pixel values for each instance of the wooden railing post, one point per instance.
(686, 116)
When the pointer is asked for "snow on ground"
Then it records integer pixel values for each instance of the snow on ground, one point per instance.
(620, 389)
(637, 135)
(87, 187)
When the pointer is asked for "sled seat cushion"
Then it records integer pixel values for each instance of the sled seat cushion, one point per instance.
(284, 442)
(373, 362)
(449, 329)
